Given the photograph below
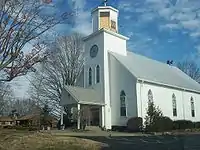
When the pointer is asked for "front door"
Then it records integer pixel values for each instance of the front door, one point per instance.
(94, 116)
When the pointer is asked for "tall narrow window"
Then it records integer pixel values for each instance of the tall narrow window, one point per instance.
(90, 76)
(104, 20)
(192, 107)
(123, 103)
(150, 96)
(174, 105)
(98, 74)
(113, 24)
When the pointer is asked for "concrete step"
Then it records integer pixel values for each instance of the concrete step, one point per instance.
(93, 128)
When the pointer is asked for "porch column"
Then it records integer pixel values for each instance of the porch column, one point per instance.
(79, 116)
(61, 117)
(102, 116)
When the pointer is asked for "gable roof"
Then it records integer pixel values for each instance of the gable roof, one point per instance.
(29, 117)
(6, 119)
(84, 95)
(146, 69)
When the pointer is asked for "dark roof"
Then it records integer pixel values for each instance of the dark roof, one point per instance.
(6, 119)
(28, 117)
(33, 116)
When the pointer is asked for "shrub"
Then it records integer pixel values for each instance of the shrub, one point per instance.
(11, 127)
(182, 124)
(21, 128)
(197, 125)
(163, 124)
(134, 124)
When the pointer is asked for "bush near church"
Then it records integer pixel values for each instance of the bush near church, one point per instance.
(197, 125)
(183, 124)
(161, 124)
(164, 123)
(135, 124)
(156, 122)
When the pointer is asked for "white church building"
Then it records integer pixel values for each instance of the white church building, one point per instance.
(117, 84)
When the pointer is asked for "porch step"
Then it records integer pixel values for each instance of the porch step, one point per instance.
(93, 128)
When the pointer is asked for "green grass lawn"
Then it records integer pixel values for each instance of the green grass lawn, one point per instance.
(25, 140)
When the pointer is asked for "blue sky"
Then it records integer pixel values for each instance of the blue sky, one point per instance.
(159, 29)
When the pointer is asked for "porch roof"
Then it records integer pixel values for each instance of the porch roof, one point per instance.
(84, 95)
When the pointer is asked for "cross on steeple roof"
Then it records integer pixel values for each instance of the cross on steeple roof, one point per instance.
(105, 2)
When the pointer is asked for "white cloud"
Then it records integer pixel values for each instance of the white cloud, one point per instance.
(147, 17)
(140, 10)
(198, 49)
(170, 26)
(126, 6)
(191, 24)
(83, 19)
(153, 1)
(83, 23)
(170, 41)
(20, 86)
(77, 4)
(166, 12)
(130, 34)
(149, 39)
(195, 34)
(183, 16)
(127, 17)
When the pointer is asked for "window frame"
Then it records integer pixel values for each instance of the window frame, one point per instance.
(150, 96)
(192, 107)
(123, 106)
(98, 74)
(104, 14)
(90, 76)
(113, 24)
(174, 105)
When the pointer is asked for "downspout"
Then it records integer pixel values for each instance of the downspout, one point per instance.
(183, 105)
(141, 85)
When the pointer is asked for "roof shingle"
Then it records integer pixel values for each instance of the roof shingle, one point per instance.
(150, 70)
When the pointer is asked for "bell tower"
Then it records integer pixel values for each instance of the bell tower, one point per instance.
(105, 17)
(98, 46)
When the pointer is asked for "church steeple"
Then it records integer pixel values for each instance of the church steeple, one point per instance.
(105, 17)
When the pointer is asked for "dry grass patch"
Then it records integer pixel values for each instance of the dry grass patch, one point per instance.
(45, 141)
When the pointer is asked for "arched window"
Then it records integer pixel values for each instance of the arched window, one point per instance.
(174, 105)
(123, 103)
(90, 76)
(97, 74)
(192, 107)
(150, 96)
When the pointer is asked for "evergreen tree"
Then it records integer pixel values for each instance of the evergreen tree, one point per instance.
(154, 114)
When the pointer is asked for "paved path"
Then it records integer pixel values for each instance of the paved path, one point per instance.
(127, 141)
(191, 142)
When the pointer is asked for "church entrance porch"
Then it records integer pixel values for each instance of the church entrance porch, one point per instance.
(84, 115)
(84, 104)
(90, 115)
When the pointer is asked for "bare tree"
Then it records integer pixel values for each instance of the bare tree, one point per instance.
(24, 106)
(23, 22)
(62, 67)
(190, 68)
(5, 97)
